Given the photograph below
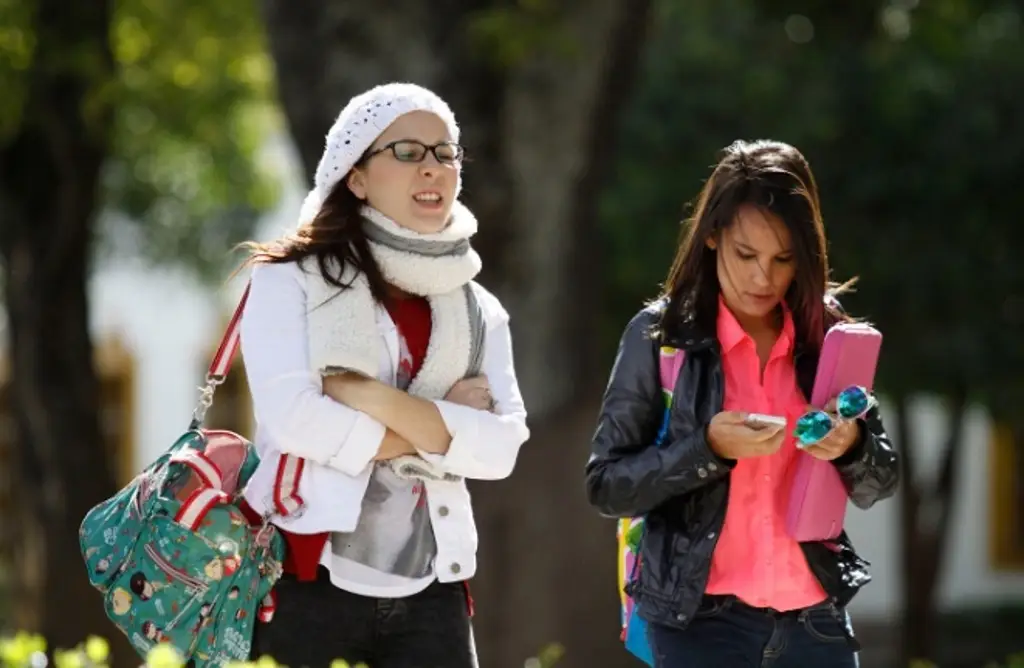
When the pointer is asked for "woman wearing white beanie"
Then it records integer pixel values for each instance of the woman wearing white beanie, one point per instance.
(382, 378)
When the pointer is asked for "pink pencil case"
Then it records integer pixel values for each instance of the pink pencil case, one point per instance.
(818, 500)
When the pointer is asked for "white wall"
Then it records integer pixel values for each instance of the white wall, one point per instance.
(968, 577)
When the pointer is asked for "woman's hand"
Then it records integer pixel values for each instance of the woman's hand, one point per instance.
(730, 437)
(474, 392)
(838, 441)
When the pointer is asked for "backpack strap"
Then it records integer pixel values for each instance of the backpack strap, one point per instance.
(670, 362)
(201, 465)
(220, 365)
(192, 512)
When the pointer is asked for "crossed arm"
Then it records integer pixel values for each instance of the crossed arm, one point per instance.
(347, 422)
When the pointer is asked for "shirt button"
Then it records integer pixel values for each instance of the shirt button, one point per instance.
(702, 472)
(712, 466)
(711, 536)
(681, 617)
(455, 568)
(443, 511)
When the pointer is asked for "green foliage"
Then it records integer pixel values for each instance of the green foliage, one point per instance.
(193, 100)
(17, 48)
(507, 34)
(25, 650)
(1012, 661)
(909, 126)
(194, 107)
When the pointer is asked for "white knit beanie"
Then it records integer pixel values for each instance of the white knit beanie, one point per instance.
(359, 124)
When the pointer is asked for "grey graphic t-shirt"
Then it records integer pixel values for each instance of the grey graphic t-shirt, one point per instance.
(391, 551)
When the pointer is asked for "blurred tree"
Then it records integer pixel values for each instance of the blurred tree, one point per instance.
(906, 115)
(537, 85)
(151, 109)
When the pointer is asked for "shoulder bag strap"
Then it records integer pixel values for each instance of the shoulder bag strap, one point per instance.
(220, 365)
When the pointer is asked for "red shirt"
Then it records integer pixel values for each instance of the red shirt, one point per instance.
(755, 559)
(412, 318)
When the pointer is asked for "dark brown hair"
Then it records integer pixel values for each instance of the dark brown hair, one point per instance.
(775, 178)
(335, 237)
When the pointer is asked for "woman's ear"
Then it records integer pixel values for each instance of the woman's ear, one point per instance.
(356, 182)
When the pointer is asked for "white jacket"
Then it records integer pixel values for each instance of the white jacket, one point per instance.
(293, 416)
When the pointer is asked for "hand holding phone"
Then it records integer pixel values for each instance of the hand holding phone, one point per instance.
(759, 421)
(731, 436)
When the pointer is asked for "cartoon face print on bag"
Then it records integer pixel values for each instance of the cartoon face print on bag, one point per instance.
(152, 632)
(142, 587)
(121, 601)
(214, 570)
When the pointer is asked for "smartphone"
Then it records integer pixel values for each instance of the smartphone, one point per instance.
(761, 421)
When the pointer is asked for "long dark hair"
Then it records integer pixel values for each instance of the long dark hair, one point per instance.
(335, 237)
(776, 178)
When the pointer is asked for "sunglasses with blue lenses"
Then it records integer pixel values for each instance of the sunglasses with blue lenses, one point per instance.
(851, 404)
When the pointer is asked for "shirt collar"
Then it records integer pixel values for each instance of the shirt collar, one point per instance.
(731, 333)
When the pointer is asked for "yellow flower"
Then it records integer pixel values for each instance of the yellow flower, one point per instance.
(340, 663)
(97, 649)
(164, 656)
(266, 662)
(65, 658)
(18, 650)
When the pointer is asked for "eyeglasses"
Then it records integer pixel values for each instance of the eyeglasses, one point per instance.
(410, 150)
(851, 404)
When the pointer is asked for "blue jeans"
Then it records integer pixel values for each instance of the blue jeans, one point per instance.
(728, 633)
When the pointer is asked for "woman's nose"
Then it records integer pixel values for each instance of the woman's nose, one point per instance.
(761, 277)
(430, 165)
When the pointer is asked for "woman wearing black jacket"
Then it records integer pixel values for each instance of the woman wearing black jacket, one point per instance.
(748, 300)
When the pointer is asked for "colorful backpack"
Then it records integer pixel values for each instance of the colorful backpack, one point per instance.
(172, 553)
(631, 529)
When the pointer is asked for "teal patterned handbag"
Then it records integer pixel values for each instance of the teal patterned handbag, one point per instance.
(172, 553)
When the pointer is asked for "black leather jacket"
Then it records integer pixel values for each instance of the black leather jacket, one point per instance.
(682, 486)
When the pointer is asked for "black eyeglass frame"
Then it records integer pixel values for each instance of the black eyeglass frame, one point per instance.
(392, 146)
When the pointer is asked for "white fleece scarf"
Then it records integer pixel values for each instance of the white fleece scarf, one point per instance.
(342, 323)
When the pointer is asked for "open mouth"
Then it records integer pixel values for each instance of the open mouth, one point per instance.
(429, 199)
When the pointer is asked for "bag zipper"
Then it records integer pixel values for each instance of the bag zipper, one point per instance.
(173, 572)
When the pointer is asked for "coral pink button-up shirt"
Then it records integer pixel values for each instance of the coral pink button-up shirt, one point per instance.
(755, 559)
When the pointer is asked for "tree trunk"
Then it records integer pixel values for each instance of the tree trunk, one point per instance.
(48, 198)
(926, 513)
(539, 133)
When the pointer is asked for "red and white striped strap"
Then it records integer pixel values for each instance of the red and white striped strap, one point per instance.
(192, 512)
(268, 606)
(289, 470)
(286, 486)
(203, 467)
(221, 362)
